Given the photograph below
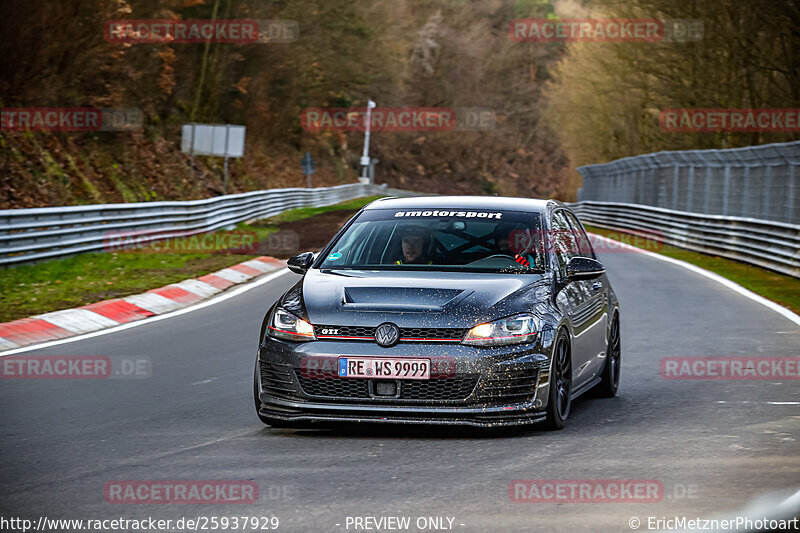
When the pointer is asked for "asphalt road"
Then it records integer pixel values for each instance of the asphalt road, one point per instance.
(62, 440)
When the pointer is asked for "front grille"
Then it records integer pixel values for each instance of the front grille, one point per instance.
(505, 384)
(276, 380)
(344, 332)
(431, 334)
(456, 388)
(438, 389)
(334, 387)
(509, 383)
(406, 334)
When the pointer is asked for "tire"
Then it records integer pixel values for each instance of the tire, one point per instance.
(559, 392)
(272, 422)
(609, 384)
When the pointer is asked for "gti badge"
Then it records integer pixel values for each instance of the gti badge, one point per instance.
(387, 334)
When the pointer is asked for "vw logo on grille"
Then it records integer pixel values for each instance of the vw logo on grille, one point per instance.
(387, 334)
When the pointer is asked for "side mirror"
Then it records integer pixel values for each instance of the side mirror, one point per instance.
(584, 268)
(300, 263)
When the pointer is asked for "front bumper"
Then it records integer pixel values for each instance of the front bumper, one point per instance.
(485, 387)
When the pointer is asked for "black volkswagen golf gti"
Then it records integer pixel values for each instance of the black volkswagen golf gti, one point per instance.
(481, 311)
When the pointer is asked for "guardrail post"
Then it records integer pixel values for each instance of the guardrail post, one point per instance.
(675, 186)
(640, 187)
(791, 192)
(661, 194)
(765, 198)
(726, 187)
(746, 193)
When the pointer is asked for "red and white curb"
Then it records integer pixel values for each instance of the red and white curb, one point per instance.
(109, 313)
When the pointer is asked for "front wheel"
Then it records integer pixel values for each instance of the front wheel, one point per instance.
(560, 389)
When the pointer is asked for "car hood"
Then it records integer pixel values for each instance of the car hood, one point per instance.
(414, 299)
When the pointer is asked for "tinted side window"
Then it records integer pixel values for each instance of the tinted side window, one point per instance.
(584, 246)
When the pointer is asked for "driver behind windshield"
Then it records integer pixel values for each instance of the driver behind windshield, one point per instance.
(502, 234)
(415, 242)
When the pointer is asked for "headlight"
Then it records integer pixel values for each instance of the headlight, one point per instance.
(284, 325)
(515, 329)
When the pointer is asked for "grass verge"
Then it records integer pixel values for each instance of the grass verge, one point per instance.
(784, 290)
(28, 290)
(307, 212)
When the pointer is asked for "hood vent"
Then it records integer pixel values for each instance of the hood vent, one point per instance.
(401, 299)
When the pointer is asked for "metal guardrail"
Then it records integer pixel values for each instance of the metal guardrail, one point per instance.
(28, 235)
(768, 244)
(761, 182)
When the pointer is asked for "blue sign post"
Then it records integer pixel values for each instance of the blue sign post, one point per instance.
(308, 166)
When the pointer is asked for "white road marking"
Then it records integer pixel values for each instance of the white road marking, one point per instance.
(763, 403)
(77, 320)
(155, 303)
(197, 287)
(233, 275)
(261, 266)
(792, 501)
(204, 381)
(6, 344)
(150, 320)
(721, 280)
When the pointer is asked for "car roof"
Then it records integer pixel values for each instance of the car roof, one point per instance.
(463, 202)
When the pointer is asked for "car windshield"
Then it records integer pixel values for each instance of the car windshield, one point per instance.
(475, 240)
